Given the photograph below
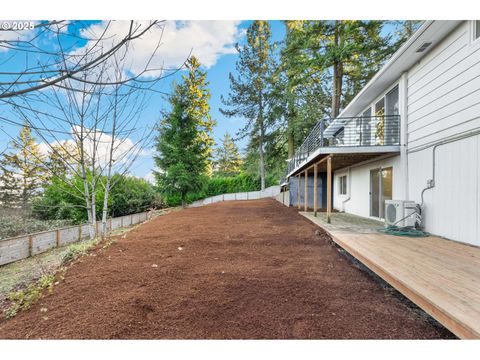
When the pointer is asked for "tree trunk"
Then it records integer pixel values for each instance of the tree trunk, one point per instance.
(94, 209)
(262, 160)
(91, 230)
(291, 145)
(337, 78)
(105, 207)
(290, 128)
(260, 145)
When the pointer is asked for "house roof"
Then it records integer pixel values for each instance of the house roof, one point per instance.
(432, 31)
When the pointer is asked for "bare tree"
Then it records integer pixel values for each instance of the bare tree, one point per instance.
(85, 106)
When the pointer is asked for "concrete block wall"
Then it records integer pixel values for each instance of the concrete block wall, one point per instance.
(284, 198)
(269, 192)
(21, 247)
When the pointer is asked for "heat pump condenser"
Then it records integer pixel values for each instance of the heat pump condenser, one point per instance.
(401, 213)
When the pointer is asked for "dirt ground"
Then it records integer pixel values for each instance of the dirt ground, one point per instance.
(233, 270)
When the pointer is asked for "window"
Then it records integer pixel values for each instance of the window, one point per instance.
(476, 33)
(392, 124)
(343, 185)
(339, 136)
(366, 127)
(379, 121)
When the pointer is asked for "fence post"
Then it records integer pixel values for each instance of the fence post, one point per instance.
(30, 245)
(57, 237)
(79, 232)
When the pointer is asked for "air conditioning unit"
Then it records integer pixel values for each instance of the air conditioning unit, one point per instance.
(401, 213)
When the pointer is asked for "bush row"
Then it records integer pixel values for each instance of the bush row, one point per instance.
(218, 185)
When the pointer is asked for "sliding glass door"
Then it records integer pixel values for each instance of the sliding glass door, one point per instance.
(380, 190)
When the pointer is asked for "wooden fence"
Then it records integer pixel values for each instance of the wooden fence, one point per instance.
(21, 247)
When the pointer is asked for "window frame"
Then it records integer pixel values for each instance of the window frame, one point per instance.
(474, 27)
(342, 185)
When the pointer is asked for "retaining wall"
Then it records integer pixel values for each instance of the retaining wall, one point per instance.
(21, 247)
(270, 192)
(284, 198)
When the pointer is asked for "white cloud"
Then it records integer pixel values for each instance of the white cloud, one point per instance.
(150, 177)
(124, 149)
(10, 35)
(207, 40)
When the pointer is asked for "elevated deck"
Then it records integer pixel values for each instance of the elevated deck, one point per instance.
(441, 276)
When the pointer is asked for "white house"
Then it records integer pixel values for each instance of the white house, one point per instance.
(413, 129)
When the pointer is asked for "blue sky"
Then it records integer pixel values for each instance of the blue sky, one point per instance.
(211, 42)
(219, 84)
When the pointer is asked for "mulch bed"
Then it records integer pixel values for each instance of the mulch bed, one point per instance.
(232, 270)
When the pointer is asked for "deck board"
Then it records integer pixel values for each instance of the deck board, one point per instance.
(440, 276)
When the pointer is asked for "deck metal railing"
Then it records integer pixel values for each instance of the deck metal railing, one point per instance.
(357, 131)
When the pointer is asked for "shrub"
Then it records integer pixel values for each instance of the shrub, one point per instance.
(17, 225)
(24, 299)
(218, 185)
(129, 195)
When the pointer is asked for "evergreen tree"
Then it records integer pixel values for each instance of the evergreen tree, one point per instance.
(228, 160)
(251, 91)
(23, 170)
(63, 159)
(405, 30)
(348, 52)
(180, 157)
(197, 97)
(301, 98)
(10, 187)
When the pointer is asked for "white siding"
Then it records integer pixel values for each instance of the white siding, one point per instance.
(444, 101)
(358, 186)
(444, 90)
(452, 207)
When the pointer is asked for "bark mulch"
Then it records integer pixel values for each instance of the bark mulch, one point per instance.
(232, 270)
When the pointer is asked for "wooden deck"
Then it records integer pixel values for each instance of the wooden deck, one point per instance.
(442, 277)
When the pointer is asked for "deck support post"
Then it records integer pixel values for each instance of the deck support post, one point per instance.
(329, 188)
(298, 192)
(305, 200)
(315, 190)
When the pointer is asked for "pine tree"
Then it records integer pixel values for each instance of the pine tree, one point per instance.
(301, 99)
(405, 29)
(250, 95)
(63, 159)
(180, 157)
(350, 52)
(10, 187)
(23, 170)
(228, 160)
(198, 95)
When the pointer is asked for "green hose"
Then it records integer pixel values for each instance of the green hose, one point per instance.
(403, 231)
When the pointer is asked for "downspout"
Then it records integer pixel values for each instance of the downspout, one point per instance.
(349, 177)
(404, 132)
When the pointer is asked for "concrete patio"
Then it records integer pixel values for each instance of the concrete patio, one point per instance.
(343, 222)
